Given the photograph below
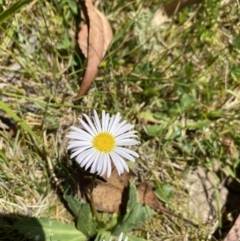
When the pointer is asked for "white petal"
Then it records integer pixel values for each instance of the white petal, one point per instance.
(75, 144)
(89, 159)
(118, 126)
(133, 153)
(104, 164)
(123, 129)
(120, 151)
(123, 162)
(127, 142)
(78, 136)
(87, 127)
(120, 237)
(94, 159)
(90, 124)
(103, 120)
(119, 163)
(78, 151)
(110, 123)
(107, 122)
(109, 166)
(97, 121)
(97, 164)
(84, 155)
(79, 131)
(127, 135)
(117, 118)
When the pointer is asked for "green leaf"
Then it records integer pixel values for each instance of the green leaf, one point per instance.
(172, 133)
(133, 197)
(164, 192)
(48, 230)
(83, 215)
(135, 214)
(73, 6)
(186, 101)
(154, 130)
(73, 204)
(85, 221)
(16, 7)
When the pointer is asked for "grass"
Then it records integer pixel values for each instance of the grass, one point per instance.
(178, 83)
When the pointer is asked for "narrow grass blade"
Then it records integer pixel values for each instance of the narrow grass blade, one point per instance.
(9, 12)
(22, 123)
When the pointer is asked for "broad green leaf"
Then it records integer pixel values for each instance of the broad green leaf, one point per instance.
(173, 132)
(16, 7)
(154, 130)
(73, 5)
(138, 215)
(186, 101)
(85, 221)
(133, 197)
(83, 215)
(112, 222)
(74, 205)
(135, 214)
(48, 230)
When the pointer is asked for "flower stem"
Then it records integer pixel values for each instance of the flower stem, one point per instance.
(94, 210)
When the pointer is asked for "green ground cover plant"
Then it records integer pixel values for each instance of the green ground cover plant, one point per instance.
(178, 83)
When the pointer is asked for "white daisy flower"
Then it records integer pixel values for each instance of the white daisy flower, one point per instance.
(119, 238)
(98, 143)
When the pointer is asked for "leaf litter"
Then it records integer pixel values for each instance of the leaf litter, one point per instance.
(111, 194)
(93, 39)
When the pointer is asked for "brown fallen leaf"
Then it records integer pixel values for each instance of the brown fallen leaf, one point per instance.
(108, 198)
(94, 38)
(148, 197)
(121, 181)
(112, 195)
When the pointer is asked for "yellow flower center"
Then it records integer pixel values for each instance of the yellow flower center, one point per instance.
(104, 142)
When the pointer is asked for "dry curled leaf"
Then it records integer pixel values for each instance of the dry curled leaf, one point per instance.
(94, 38)
(148, 197)
(109, 195)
